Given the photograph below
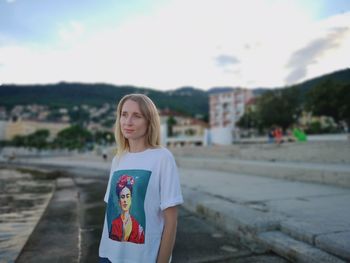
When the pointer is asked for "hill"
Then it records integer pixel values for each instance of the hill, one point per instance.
(187, 100)
(342, 77)
(71, 94)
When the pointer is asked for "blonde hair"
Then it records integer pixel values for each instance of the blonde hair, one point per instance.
(150, 112)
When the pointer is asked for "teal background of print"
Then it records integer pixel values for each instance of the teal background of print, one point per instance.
(139, 189)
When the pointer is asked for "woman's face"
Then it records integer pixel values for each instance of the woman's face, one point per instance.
(132, 122)
(125, 199)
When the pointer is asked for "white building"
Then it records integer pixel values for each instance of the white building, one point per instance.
(226, 108)
(187, 131)
(2, 130)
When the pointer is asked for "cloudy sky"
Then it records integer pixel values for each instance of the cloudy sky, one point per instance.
(166, 44)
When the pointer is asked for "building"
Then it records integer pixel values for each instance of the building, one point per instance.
(3, 114)
(2, 130)
(225, 109)
(307, 119)
(187, 126)
(185, 130)
(24, 128)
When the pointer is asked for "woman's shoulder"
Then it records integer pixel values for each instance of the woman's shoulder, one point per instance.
(115, 161)
(164, 152)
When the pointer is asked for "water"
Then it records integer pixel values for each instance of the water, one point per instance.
(24, 196)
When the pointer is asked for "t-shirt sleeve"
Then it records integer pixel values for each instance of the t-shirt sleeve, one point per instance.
(113, 167)
(170, 189)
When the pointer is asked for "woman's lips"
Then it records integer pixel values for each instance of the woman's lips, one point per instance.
(128, 131)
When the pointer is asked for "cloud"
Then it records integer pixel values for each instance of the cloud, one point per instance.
(226, 60)
(10, 1)
(313, 53)
(198, 43)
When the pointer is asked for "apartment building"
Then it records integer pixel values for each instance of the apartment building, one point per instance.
(226, 108)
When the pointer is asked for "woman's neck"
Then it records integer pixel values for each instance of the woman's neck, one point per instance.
(137, 146)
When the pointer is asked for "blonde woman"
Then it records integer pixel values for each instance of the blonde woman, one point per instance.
(144, 231)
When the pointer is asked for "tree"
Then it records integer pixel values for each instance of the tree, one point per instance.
(38, 139)
(171, 121)
(249, 120)
(19, 141)
(344, 104)
(73, 137)
(104, 137)
(279, 107)
(330, 99)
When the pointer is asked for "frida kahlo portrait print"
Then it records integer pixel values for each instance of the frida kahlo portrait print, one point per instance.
(125, 212)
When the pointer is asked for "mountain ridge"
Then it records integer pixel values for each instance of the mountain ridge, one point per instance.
(186, 99)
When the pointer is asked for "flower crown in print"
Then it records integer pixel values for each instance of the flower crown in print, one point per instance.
(125, 181)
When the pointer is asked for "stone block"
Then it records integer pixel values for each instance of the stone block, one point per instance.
(335, 243)
(293, 250)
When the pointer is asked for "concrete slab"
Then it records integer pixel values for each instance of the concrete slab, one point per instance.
(247, 205)
(335, 174)
(314, 215)
(294, 250)
(336, 243)
(249, 188)
(337, 152)
(307, 231)
(237, 219)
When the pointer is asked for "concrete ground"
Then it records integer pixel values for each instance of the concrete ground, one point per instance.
(273, 205)
(70, 230)
(303, 222)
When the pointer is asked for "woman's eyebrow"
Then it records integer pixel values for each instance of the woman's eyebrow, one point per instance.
(134, 112)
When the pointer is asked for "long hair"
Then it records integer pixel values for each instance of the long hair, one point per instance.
(149, 111)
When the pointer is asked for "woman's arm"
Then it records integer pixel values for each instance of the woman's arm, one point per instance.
(169, 235)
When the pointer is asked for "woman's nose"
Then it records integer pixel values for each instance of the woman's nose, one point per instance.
(129, 120)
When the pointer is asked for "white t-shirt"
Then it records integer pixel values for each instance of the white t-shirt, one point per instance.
(151, 179)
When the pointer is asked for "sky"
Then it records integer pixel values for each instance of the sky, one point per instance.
(168, 44)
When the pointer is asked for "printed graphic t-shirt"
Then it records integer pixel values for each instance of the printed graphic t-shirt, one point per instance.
(140, 186)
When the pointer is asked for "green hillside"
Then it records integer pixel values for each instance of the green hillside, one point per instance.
(187, 100)
(341, 77)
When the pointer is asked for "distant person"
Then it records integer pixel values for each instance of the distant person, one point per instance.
(104, 154)
(278, 134)
(270, 136)
(12, 157)
(290, 136)
(143, 191)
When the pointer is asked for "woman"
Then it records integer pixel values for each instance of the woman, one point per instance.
(156, 193)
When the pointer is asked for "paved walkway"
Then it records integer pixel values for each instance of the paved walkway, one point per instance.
(301, 221)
